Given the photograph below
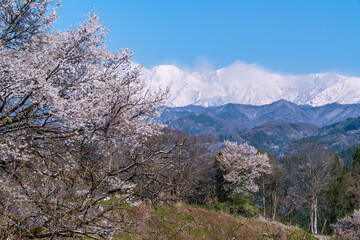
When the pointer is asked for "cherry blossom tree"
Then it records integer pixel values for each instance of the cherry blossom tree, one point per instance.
(348, 227)
(242, 165)
(74, 120)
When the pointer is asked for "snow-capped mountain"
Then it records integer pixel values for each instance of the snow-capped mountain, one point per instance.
(249, 84)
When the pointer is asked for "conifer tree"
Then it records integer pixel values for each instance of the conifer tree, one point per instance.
(338, 204)
(356, 159)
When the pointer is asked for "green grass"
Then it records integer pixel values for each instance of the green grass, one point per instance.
(105, 202)
(126, 206)
(125, 236)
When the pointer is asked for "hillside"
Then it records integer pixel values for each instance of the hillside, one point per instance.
(275, 136)
(340, 136)
(271, 127)
(179, 221)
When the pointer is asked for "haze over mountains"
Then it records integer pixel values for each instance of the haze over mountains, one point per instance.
(249, 84)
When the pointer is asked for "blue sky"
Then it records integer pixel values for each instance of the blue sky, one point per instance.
(290, 36)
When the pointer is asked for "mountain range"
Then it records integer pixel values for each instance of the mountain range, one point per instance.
(240, 117)
(250, 84)
(271, 126)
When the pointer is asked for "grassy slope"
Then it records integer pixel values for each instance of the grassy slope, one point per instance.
(180, 221)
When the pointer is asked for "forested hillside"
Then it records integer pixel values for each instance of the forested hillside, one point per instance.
(271, 127)
(243, 117)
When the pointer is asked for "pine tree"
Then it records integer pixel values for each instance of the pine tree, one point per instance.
(356, 156)
(335, 192)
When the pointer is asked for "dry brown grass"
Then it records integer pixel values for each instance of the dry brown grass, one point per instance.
(179, 221)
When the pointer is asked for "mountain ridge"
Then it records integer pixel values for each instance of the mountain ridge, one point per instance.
(245, 116)
(271, 126)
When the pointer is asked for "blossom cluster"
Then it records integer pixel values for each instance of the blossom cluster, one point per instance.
(243, 165)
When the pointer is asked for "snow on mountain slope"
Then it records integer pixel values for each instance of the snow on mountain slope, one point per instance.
(249, 84)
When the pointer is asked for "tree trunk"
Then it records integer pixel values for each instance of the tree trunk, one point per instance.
(315, 215)
(324, 226)
(312, 217)
(274, 207)
(264, 206)
(263, 199)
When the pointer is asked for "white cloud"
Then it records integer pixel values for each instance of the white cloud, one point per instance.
(203, 64)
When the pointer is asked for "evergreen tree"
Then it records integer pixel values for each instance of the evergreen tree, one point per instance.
(353, 186)
(356, 156)
(337, 203)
